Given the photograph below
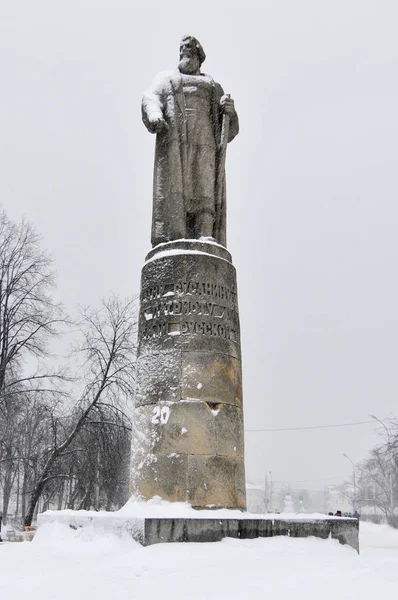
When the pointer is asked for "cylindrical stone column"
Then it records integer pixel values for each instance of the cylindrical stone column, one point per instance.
(188, 418)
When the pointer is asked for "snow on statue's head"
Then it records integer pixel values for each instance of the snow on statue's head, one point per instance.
(192, 55)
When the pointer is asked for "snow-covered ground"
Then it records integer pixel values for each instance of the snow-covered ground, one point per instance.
(63, 564)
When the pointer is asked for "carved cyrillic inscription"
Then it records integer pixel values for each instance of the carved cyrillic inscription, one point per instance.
(156, 329)
(186, 307)
(195, 288)
(189, 308)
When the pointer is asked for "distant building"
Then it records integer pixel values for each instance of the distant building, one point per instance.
(255, 499)
(339, 498)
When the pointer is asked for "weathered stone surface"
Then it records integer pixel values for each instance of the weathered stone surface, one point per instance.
(210, 377)
(189, 301)
(151, 373)
(229, 430)
(190, 425)
(155, 530)
(164, 476)
(238, 387)
(216, 481)
(306, 528)
(188, 384)
(191, 428)
(193, 119)
(346, 532)
(158, 530)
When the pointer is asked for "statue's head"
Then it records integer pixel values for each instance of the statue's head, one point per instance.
(192, 55)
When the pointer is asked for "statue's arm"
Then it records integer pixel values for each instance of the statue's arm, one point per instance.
(227, 106)
(152, 105)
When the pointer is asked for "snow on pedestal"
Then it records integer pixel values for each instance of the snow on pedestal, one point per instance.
(157, 521)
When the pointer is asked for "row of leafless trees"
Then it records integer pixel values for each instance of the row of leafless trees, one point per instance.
(64, 423)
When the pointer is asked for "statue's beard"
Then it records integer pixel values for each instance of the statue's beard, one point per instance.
(189, 65)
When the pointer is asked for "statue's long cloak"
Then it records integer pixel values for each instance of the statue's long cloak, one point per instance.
(165, 99)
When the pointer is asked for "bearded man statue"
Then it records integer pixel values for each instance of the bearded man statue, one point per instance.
(186, 108)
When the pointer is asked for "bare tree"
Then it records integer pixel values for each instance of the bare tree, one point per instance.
(378, 473)
(97, 463)
(9, 448)
(58, 443)
(28, 314)
(29, 319)
(108, 373)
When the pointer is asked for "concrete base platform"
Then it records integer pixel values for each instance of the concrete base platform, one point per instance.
(213, 530)
(157, 530)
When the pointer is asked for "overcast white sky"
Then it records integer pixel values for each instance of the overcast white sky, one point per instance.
(312, 189)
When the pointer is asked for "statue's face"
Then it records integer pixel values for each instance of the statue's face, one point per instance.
(188, 49)
(189, 57)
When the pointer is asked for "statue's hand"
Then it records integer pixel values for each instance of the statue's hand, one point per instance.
(157, 125)
(227, 105)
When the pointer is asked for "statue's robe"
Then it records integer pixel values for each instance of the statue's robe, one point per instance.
(171, 187)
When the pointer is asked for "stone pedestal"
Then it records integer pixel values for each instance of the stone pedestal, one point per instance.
(159, 530)
(188, 418)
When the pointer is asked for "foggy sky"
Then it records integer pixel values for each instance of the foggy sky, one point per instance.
(311, 180)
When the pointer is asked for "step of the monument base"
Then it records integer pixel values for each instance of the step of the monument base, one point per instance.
(166, 530)
(158, 530)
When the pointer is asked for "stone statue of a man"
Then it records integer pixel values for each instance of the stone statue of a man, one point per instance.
(185, 108)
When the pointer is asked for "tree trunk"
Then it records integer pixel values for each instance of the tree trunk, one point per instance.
(35, 496)
(24, 492)
(18, 494)
(61, 496)
(7, 488)
(96, 482)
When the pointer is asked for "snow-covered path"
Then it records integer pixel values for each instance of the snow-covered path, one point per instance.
(61, 564)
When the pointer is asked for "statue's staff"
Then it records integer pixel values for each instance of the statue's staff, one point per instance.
(220, 175)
